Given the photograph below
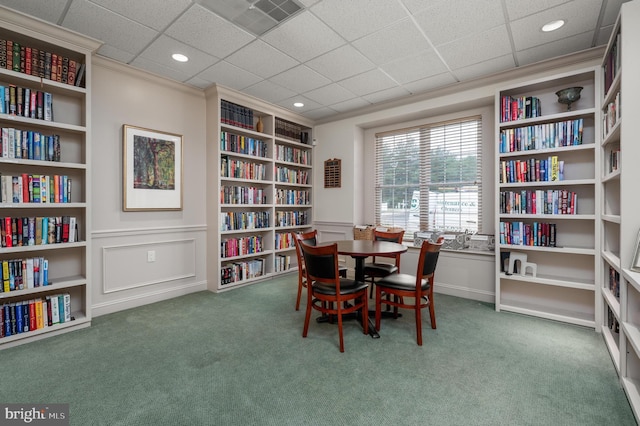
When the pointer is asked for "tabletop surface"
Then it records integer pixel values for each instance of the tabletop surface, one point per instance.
(367, 247)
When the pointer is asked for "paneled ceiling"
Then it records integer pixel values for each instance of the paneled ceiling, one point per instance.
(335, 56)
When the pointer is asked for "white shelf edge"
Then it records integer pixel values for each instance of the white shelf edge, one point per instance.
(633, 335)
(612, 301)
(611, 176)
(246, 256)
(546, 280)
(545, 151)
(561, 116)
(612, 346)
(42, 123)
(632, 388)
(611, 258)
(56, 246)
(568, 250)
(547, 216)
(573, 182)
(42, 163)
(549, 315)
(42, 205)
(613, 218)
(54, 285)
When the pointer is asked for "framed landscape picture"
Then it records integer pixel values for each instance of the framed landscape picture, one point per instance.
(152, 169)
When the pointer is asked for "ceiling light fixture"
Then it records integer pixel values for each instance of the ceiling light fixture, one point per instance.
(298, 104)
(179, 57)
(553, 25)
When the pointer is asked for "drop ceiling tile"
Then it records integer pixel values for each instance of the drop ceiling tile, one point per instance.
(485, 68)
(415, 6)
(229, 75)
(415, 67)
(115, 54)
(341, 63)
(356, 18)
(579, 15)
(300, 79)
(393, 42)
(208, 32)
(604, 34)
(198, 82)
(457, 19)
(159, 69)
(303, 37)
(517, 9)
(269, 91)
(331, 94)
(368, 82)
(52, 12)
(387, 95)
(430, 83)
(113, 29)
(611, 12)
(163, 47)
(261, 59)
(555, 48)
(320, 113)
(476, 48)
(350, 105)
(147, 12)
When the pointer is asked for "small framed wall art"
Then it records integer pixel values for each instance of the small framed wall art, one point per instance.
(152, 170)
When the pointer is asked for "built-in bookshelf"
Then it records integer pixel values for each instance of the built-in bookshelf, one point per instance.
(620, 221)
(547, 201)
(259, 188)
(45, 215)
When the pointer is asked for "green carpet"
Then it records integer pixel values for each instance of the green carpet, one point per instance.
(238, 358)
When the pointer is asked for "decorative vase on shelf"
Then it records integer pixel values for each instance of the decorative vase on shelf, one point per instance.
(259, 125)
(569, 96)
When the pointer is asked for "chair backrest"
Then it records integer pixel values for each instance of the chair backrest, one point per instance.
(321, 263)
(309, 238)
(429, 253)
(393, 237)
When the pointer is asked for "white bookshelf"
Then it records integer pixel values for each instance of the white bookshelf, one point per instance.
(282, 183)
(69, 263)
(564, 287)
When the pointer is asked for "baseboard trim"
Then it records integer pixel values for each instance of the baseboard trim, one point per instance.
(465, 292)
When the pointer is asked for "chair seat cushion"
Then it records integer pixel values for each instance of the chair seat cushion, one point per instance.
(402, 282)
(379, 269)
(347, 286)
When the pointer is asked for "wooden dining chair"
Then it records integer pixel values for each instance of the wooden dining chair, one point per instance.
(417, 289)
(379, 269)
(310, 238)
(329, 293)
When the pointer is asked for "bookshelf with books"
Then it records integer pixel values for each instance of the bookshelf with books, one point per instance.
(259, 188)
(620, 222)
(547, 199)
(45, 218)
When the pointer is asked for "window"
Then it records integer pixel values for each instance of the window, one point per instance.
(429, 177)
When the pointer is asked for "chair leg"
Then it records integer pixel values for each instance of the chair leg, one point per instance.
(378, 307)
(300, 285)
(307, 317)
(365, 314)
(432, 313)
(419, 322)
(340, 328)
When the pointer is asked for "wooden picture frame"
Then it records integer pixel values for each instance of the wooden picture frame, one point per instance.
(635, 262)
(152, 170)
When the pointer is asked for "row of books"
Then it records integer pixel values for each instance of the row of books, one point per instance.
(612, 322)
(236, 221)
(242, 195)
(240, 271)
(293, 197)
(284, 240)
(29, 145)
(519, 108)
(612, 63)
(292, 218)
(35, 314)
(236, 115)
(41, 63)
(287, 175)
(551, 201)
(614, 160)
(25, 102)
(614, 282)
(528, 234)
(22, 274)
(26, 188)
(542, 136)
(282, 263)
(234, 168)
(241, 246)
(293, 155)
(532, 170)
(35, 231)
(289, 130)
(243, 145)
(611, 115)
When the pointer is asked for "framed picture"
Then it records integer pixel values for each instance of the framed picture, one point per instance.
(152, 169)
(635, 263)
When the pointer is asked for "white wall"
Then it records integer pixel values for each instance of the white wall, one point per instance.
(336, 210)
(122, 277)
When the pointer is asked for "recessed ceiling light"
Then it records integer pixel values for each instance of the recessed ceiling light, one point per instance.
(179, 57)
(298, 104)
(553, 25)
